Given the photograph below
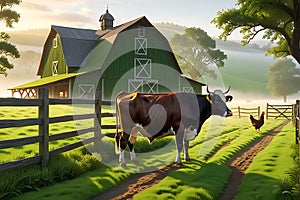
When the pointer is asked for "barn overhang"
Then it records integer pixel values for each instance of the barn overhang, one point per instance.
(29, 90)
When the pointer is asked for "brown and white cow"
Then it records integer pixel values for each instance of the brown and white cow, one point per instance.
(155, 114)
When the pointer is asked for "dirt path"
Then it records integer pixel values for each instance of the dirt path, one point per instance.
(136, 184)
(239, 164)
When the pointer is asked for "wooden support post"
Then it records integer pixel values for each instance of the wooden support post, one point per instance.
(239, 111)
(297, 124)
(44, 126)
(97, 119)
(258, 111)
(267, 108)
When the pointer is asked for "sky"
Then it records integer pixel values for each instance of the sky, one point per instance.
(86, 13)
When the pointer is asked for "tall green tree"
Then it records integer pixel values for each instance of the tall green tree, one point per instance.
(196, 52)
(284, 78)
(277, 20)
(9, 16)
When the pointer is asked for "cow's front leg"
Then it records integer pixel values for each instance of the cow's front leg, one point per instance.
(179, 146)
(132, 152)
(186, 145)
(123, 143)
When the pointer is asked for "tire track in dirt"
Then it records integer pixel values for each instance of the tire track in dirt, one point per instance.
(240, 163)
(135, 184)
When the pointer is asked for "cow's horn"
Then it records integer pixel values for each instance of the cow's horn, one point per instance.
(207, 90)
(227, 90)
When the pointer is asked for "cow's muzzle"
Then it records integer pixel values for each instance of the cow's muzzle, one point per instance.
(229, 113)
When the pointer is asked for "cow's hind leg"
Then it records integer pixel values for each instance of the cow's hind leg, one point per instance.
(132, 152)
(123, 143)
(186, 145)
(179, 146)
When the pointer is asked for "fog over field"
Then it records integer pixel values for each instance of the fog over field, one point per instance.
(245, 68)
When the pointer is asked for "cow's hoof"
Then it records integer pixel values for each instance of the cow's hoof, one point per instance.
(134, 161)
(178, 165)
(188, 160)
(123, 165)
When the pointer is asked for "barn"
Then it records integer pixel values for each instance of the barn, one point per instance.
(134, 56)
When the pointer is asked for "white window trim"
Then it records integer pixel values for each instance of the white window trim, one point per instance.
(143, 63)
(141, 31)
(55, 42)
(55, 68)
(153, 86)
(131, 85)
(84, 94)
(141, 46)
(188, 89)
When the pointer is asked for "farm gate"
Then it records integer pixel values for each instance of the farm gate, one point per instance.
(43, 120)
(279, 111)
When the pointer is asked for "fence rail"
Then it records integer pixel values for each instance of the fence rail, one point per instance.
(43, 121)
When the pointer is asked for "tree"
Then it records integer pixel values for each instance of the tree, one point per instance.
(284, 78)
(277, 20)
(195, 52)
(7, 49)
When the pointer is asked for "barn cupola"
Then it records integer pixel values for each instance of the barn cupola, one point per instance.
(106, 20)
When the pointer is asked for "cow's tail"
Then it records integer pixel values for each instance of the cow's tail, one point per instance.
(117, 136)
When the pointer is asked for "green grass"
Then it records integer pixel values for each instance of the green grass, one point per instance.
(267, 168)
(7, 113)
(60, 168)
(205, 180)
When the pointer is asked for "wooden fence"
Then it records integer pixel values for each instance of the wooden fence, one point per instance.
(296, 118)
(279, 111)
(43, 120)
(246, 112)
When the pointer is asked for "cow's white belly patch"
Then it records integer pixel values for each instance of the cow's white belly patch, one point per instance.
(190, 134)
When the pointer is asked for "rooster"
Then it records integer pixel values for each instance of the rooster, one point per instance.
(257, 123)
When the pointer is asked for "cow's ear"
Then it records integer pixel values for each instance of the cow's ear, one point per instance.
(229, 98)
(208, 98)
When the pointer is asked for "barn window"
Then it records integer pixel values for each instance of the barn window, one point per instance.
(141, 31)
(55, 43)
(141, 46)
(135, 85)
(86, 91)
(188, 89)
(150, 86)
(54, 68)
(142, 68)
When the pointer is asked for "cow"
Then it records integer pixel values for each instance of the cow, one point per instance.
(154, 115)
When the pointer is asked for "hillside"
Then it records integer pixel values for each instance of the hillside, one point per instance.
(245, 68)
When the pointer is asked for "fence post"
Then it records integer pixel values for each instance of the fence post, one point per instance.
(239, 111)
(97, 119)
(258, 111)
(297, 116)
(267, 109)
(44, 126)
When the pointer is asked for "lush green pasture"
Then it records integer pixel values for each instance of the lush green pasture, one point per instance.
(7, 113)
(263, 176)
(203, 178)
